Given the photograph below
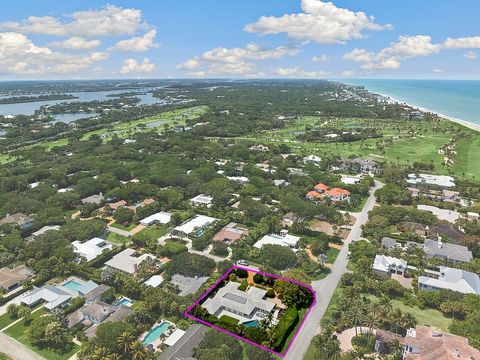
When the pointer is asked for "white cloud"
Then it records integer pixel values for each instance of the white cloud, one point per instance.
(463, 43)
(19, 55)
(107, 21)
(137, 43)
(320, 58)
(321, 22)
(406, 47)
(347, 73)
(471, 55)
(299, 73)
(233, 61)
(77, 43)
(438, 71)
(132, 66)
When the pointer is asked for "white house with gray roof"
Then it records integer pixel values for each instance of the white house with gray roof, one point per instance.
(450, 252)
(242, 305)
(387, 265)
(52, 296)
(461, 281)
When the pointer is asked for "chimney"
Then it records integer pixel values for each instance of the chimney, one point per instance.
(440, 244)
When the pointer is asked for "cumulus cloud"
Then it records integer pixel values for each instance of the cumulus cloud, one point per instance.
(233, 61)
(406, 47)
(471, 55)
(137, 43)
(132, 66)
(299, 73)
(438, 71)
(321, 22)
(347, 73)
(107, 21)
(77, 43)
(320, 58)
(472, 42)
(19, 55)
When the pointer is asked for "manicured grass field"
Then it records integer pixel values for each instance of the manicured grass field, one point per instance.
(332, 254)
(154, 231)
(429, 317)
(301, 315)
(118, 239)
(18, 332)
(5, 320)
(122, 227)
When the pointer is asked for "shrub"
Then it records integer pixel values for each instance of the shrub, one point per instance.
(220, 248)
(228, 319)
(241, 273)
(287, 323)
(258, 279)
(270, 293)
(199, 244)
(171, 248)
(243, 286)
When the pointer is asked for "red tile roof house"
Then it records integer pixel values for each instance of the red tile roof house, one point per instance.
(321, 191)
(118, 204)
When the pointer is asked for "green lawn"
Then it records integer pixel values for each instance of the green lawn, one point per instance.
(118, 239)
(429, 317)
(155, 231)
(5, 320)
(18, 332)
(123, 227)
(332, 254)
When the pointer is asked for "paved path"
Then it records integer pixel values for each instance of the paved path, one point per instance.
(18, 320)
(325, 288)
(16, 350)
(346, 337)
(162, 240)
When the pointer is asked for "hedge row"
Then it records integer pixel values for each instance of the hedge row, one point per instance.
(285, 326)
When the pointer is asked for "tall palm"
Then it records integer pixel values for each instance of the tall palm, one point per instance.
(101, 354)
(356, 316)
(138, 351)
(124, 341)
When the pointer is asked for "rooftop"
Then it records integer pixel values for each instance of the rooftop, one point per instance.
(127, 261)
(195, 223)
(92, 248)
(462, 281)
(282, 239)
(450, 251)
(439, 180)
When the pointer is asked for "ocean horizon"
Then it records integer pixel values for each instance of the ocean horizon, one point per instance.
(459, 99)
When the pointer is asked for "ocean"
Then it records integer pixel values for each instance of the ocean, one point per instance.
(455, 98)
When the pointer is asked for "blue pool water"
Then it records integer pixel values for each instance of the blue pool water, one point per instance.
(72, 285)
(251, 324)
(154, 333)
(125, 301)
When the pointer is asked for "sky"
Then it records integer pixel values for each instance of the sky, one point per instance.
(409, 39)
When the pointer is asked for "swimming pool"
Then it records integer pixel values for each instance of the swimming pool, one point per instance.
(125, 301)
(72, 285)
(251, 323)
(154, 333)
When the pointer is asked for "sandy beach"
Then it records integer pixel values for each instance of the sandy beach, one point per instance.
(467, 124)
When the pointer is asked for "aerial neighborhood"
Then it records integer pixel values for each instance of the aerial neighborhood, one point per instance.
(262, 230)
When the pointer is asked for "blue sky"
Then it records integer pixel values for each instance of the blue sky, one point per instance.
(434, 39)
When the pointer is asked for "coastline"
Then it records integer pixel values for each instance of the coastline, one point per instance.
(465, 123)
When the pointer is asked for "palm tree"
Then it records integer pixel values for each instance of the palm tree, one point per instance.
(138, 351)
(124, 341)
(357, 316)
(113, 356)
(101, 354)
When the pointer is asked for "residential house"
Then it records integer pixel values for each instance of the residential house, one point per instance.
(195, 225)
(128, 261)
(414, 227)
(447, 231)
(119, 314)
(427, 179)
(95, 313)
(450, 252)
(441, 214)
(389, 243)
(230, 233)
(92, 248)
(13, 278)
(155, 281)
(461, 281)
(118, 204)
(338, 194)
(424, 343)
(45, 229)
(157, 218)
(283, 239)
(259, 147)
(52, 296)
(242, 305)
(312, 159)
(202, 200)
(360, 165)
(384, 339)
(387, 265)
(93, 199)
(188, 285)
(19, 219)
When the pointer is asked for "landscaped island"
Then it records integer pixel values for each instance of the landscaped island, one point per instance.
(27, 99)
(262, 309)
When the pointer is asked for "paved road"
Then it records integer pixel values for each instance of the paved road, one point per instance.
(326, 287)
(16, 350)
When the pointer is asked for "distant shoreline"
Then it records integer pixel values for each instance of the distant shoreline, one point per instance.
(465, 123)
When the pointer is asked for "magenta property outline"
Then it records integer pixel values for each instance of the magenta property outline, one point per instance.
(224, 276)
